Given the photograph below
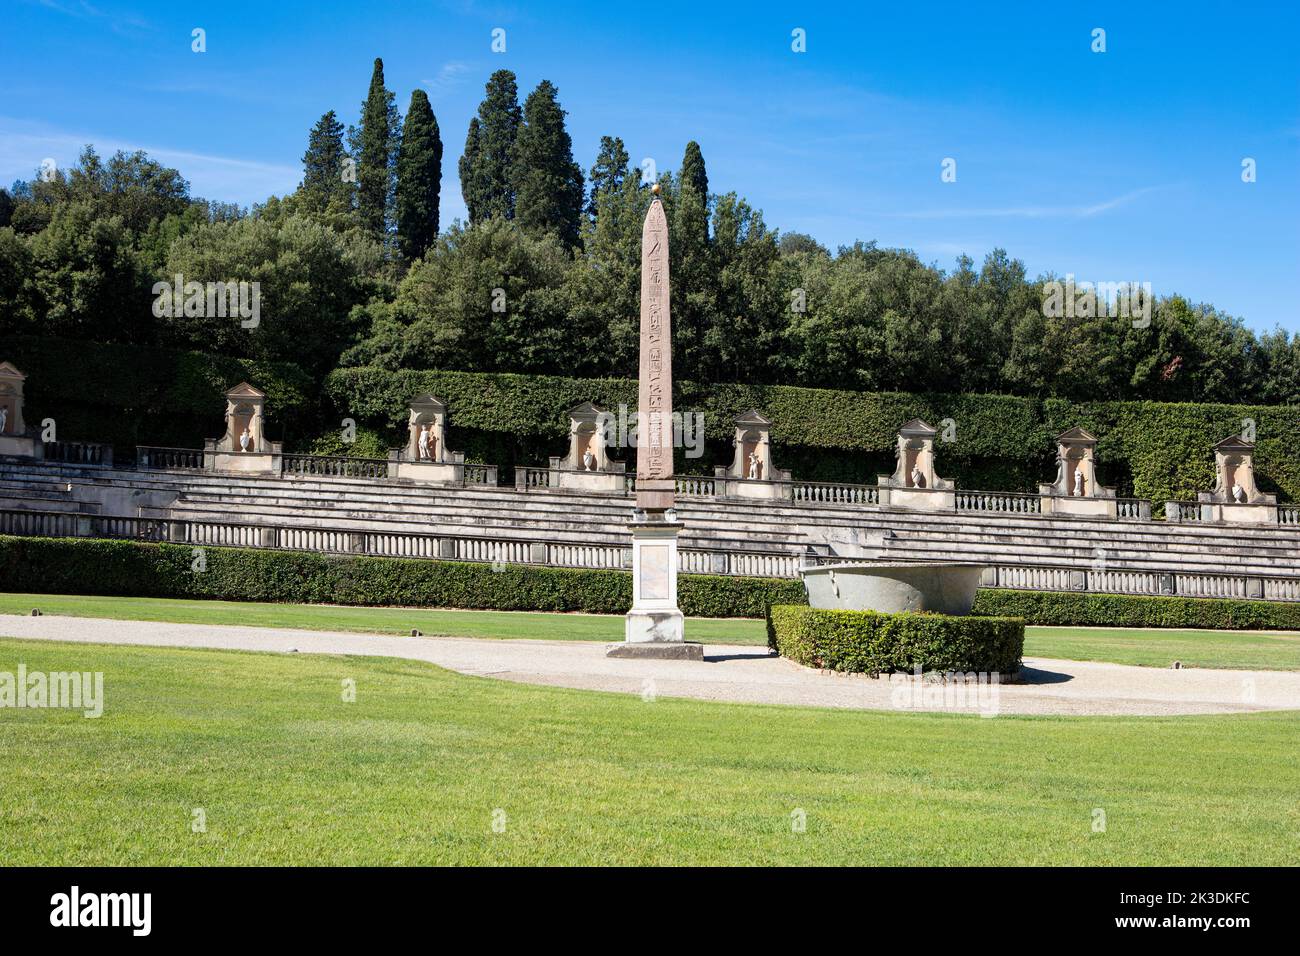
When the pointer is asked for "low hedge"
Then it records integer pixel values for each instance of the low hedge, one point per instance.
(1128, 610)
(867, 642)
(139, 569)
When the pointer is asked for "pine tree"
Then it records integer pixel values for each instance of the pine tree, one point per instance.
(548, 181)
(608, 174)
(322, 165)
(419, 178)
(486, 176)
(376, 148)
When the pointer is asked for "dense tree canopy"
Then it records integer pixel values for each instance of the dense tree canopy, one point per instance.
(545, 277)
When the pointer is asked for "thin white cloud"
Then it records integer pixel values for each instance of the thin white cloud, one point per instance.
(228, 178)
(450, 76)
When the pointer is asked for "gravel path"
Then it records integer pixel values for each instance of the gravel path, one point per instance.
(729, 673)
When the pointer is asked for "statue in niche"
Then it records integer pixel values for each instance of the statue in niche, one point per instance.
(1238, 493)
(4, 419)
(918, 479)
(245, 439)
(422, 444)
(588, 460)
(1078, 483)
(754, 465)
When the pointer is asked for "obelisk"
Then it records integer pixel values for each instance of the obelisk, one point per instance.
(654, 625)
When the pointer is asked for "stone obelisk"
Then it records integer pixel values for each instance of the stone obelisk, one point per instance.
(654, 625)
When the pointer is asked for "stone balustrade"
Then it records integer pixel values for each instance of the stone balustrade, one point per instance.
(735, 562)
(330, 466)
(997, 501)
(153, 457)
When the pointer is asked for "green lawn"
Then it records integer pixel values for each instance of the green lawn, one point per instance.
(1151, 647)
(1159, 647)
(412, 772)
(372, 620)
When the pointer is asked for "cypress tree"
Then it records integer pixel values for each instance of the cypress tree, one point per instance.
(468, 166)
(486, 176)
(693, 172)
(608, 174)
(548, 181)
(419, 178)
(377, 148)
(322, 164)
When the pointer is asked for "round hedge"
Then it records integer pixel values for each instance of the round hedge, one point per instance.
(868, 642)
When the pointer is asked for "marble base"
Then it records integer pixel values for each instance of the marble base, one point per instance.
(1081, 505)
(428, 472)
(245, 462)
(654, 620)
(678, 651)
(919, 499)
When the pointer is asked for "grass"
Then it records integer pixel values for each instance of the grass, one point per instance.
(286, 772)
(1252, 650)
(1160, 647)
(372, 620)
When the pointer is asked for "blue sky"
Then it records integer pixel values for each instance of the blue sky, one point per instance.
(1115, 166)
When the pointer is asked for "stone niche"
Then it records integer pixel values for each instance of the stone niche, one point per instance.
(425, 458)
(244, 448)
(14, 440)
(751, 473)
(1075, 490)
(914, 484)
(1235, 497)
(587, 466)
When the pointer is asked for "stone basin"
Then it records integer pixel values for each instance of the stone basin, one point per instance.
(893, 588)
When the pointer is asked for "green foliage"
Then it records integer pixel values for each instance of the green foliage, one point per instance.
(486, 168)
(310, 278)
(368, 444)
(548, 183)
(419, 178)
(376, 151)
(607, 176)
(128, 396)
(323, 184)
(488, 296)
(866, 642)
(137, 569)
(1127, 610)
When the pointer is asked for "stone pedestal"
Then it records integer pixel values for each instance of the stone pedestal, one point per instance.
(14, 440)
(655, 625)
(243, 449)
(914, 483)
(751, 473)
(1075, 490)
(587, 466)
(1235, 498)
(450, 472)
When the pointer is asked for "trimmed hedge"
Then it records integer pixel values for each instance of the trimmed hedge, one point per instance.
(1129, 610)
(868, 642)
(130, 395)
(139, 569)
(1156, 450)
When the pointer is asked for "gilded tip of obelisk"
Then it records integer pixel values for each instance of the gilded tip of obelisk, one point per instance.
(655, 189)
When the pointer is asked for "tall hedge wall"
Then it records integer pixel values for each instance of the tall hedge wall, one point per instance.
(138, 569)
(129, 395)
(1150, 449)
